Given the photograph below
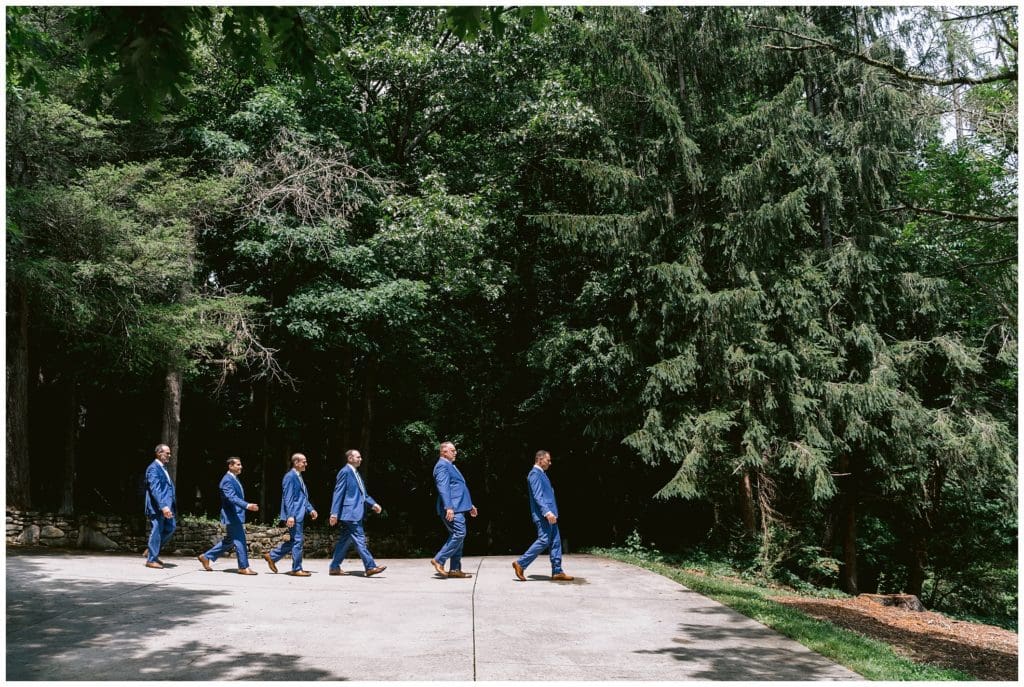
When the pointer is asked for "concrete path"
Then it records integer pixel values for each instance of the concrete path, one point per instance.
(74, 616)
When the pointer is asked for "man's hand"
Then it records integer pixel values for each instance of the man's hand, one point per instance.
(312, 514)
(449, 514)
(552, 518)
(376, 508)
(167, 512)
(253, 507)
(290, 522)
(333, 520)
(472, 512)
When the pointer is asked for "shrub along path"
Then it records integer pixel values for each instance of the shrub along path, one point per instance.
(985, 651)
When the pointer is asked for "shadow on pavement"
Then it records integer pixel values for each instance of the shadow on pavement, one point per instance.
(736, 652)
(76, 629)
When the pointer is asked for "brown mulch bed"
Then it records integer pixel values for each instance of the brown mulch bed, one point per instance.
(984, 651)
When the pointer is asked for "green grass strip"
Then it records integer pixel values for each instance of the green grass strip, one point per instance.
(872, 659)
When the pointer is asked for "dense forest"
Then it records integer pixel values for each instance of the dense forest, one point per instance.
(750, 274)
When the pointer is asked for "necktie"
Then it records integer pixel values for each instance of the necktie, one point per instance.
(359, 481)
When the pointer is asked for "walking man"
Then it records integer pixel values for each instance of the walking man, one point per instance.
(294, 507)
(232, 513)
(160, 505)
(453, 502)
(349, 508)
(544, 512)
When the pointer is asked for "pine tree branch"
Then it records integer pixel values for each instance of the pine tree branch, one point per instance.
(969, 277)
(990, 263)
(968, 17)
(815, 44)
(995, 219)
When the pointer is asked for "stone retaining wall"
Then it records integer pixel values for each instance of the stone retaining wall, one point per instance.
(130, 533)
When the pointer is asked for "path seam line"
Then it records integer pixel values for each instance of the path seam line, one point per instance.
(472, 599)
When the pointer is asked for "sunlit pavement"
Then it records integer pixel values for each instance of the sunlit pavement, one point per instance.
(75, 616)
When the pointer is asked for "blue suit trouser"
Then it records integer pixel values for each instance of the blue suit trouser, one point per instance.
(161, 530)
(352, 533)
(452, 548)
(292, 546)
(547, 537)
(235, 538)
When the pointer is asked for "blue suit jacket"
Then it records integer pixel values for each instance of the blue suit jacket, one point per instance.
(349, 502)
(542, 494)
(232, 500)
(159, 490)
(452, 491)
(294, 497)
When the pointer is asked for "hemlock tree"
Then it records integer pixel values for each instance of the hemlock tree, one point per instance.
(750, 294)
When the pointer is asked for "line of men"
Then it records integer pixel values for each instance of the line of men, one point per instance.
(348, 508)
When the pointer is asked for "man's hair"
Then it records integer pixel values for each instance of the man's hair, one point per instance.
(445, 443)
(348, 453)
(540, 454)
(295, 458)
(233, 459)
(160, 446)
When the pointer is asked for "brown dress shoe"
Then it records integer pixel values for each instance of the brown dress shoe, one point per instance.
(334, 572)
(205, 561)
(562, 577)
(299, 573)
(247, 571)
(439, 568)
(519, 571)
(373, 571)
(270, 562)
(459, 574)
(154, 564)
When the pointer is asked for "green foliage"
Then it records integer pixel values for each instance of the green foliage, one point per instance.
(635, 547)
(694, 248)
(50, 141)
(467, 22)
(777, 325)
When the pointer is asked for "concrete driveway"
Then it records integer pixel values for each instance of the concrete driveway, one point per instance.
(77, 616)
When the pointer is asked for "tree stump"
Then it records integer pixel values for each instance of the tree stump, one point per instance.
(907, 602)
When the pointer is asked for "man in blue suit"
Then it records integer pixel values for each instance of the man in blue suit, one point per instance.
(453, 502)
(349, 507)
(544, 512)
(294, 507)
(160, 505)
(232, 513)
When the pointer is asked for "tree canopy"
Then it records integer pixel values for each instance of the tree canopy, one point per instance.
(748, 273)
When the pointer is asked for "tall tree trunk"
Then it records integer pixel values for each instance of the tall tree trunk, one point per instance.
(813, 92)
(172, 417)
(261, 405)
(345, 410)
(922, 533)
(848, 527)
(369, 395)
(70, 428)
(958, 110)
(19, 493)
(918, 560)
(747, 504)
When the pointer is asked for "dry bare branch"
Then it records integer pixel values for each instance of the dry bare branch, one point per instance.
(995, 219)
(313, 184)
(811, 43)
